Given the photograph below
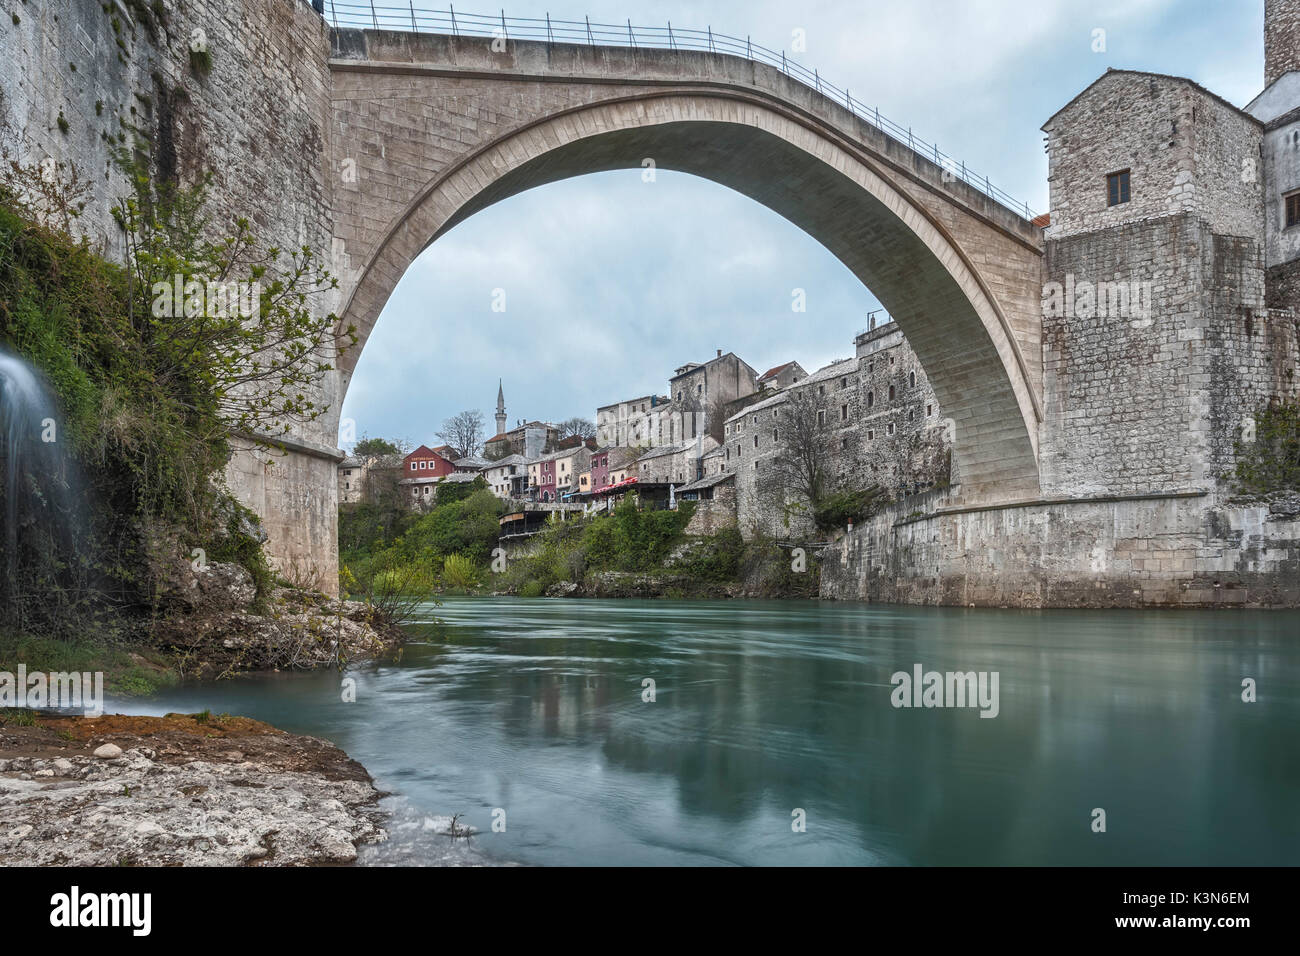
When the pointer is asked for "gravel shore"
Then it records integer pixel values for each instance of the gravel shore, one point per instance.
(179, 790)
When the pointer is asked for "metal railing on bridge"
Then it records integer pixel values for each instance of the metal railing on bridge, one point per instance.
(410, 17)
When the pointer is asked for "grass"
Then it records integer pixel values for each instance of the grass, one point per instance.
(17, 717)
(128, 673)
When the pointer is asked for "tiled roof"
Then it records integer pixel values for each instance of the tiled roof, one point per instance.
(775, 371)
(507, 460)
(707, 482)
(776, 399)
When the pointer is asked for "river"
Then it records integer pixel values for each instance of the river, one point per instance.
(770, 714)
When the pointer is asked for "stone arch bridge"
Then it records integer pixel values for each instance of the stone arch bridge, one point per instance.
(424, 130)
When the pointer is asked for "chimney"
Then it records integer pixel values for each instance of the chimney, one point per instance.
(719, 353)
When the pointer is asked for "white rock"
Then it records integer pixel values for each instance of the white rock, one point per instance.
(108, 751)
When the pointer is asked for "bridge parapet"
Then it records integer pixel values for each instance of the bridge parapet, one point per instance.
(563, 43)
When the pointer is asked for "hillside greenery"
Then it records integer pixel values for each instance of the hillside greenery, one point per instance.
(146, 397)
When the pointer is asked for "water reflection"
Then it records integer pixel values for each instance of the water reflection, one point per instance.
(535, 707)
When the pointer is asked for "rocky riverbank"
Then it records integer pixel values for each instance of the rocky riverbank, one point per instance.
(188, 790)
(212, 624)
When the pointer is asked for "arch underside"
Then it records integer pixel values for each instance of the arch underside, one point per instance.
(908, 263)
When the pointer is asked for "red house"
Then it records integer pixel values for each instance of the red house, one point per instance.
(426, 462)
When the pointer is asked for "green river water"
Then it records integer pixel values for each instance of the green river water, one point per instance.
(764, 709)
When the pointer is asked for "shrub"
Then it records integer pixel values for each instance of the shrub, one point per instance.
(839, 508)
(1272, 462)
(459, 572)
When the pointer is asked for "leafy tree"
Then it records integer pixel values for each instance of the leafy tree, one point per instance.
(377, 447)
(240, 319)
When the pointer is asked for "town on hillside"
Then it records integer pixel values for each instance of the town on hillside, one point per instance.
(751, 449)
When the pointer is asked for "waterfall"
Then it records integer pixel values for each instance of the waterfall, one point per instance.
(38, 491)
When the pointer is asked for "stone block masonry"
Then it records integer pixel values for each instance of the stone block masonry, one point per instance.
(1142, 551)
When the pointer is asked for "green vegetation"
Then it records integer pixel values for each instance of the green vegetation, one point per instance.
(386, 548)
(1271, 463)
(629, 539)
(839, 508)
(133, 673)
(644, 551)
(374, 447)
(148, 389)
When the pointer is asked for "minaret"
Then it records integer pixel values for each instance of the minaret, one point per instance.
(501, 408)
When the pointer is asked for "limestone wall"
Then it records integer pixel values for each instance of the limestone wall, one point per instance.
(1281, 38)
(255, 118)
(1192, 550)
(1152, 400)
(1186, 150)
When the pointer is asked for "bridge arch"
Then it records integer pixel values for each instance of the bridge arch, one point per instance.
(812, 175)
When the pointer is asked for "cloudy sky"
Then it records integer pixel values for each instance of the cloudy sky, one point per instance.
(612, 282)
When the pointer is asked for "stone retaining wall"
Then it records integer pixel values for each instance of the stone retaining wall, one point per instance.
(1188, 550)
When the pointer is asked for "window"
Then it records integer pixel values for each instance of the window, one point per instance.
(1293, 210)
(844, 444)
(821, 418)
(929, 411)
(871, 399)
(871, 434)
(755, 440)
(911, 414)
(911, 380)
(844, 382)
(821, 389)
(891, 361)
(844, 413)
(889, 429)
(774, 435)
(412, 466)
(891, 393)
(1117, 188)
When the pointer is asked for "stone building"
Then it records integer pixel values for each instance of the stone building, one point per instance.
(507, 477)
(677, 464)
(529, 439)
(364, 478)
(1154, 288)
(782, 376)
(1169, 319)
(634, 422)
(874, 414)
(904, 445)
(701, 390)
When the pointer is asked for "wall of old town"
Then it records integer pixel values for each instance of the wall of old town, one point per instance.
(1161, 550)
